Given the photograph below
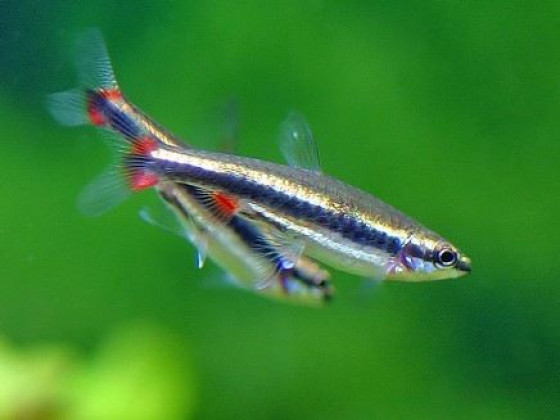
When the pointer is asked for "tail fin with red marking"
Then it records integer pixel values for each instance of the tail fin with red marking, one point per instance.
(127, 174)
(98, 101)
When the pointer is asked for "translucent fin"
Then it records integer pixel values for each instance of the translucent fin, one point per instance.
(291, 249)
(199, 240)
(105, 192)
(282, 252)
(94, 72)
(96, 102)
(92, 61)
(230, 135)
(163, 218)
(297, 143)
(202, 253)
(267, 276)
(68, 107)
(189, 228)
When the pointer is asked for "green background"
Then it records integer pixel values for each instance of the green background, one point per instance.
(449, 111)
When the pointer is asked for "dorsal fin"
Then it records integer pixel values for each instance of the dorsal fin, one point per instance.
(297, 143)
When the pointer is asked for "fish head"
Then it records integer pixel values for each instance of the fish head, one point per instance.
(426, 256)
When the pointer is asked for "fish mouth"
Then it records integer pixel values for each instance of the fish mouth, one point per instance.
(464, 264)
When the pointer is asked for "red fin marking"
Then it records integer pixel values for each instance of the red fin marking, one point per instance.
(225, 203)
(111, 94)
(144, 145)
(95, 116)
(141, 180)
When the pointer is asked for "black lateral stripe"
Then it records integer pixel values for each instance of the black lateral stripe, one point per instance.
(121, 122)
(343, 224)
(116, 118)
(252, 237)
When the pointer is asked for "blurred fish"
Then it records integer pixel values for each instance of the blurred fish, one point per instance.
(325, 218)
(251, 256)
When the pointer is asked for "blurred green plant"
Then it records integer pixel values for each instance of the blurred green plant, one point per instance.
(138, 372)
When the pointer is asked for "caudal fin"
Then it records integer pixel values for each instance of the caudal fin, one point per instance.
(96, 78)
(97, 101)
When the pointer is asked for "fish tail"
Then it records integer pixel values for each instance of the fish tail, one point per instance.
(98, 101)
(97, 85)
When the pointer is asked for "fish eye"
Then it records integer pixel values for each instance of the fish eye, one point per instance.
(446, 258)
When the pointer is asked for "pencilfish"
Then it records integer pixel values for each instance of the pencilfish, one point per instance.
(329, 220)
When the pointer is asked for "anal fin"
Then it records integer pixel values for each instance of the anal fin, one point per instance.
(221, 205)
(105, 192)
